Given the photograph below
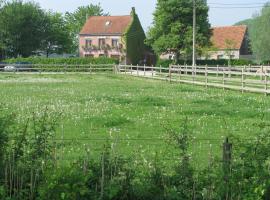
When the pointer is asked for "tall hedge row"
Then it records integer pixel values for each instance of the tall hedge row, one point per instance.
(166, 63)
(134, 38)
(69, 61)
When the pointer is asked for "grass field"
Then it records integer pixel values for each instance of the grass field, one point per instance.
(134, 113)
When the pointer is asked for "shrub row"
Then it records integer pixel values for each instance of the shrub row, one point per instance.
(68, 61)
(167, 63)
(31, 169)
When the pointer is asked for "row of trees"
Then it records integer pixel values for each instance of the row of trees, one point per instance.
(259, 31)
(26, 29)
(173, 28)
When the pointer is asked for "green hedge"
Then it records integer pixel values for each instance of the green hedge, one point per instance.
(68, 61)
(166, 63)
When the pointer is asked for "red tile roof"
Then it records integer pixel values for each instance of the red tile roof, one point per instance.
(235, 34)
(106, 25)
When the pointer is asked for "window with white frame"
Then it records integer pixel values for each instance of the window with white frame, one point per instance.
(88, 43)
(114, 43)
(101, 42)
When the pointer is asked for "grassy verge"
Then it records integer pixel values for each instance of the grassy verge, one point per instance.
(133, 113)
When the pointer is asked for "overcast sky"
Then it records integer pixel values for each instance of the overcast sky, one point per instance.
(145, 9)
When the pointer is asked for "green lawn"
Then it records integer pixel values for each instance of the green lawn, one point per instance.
(133, 112)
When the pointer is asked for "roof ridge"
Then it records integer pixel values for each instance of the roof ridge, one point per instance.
(110, 16)
(232, 26)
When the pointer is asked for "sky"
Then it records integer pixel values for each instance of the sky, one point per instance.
(145, 9)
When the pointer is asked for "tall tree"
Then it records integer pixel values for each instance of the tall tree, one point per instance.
(172, 27)
(56, 37)
(21, 27)
(259, 33)
(77, 19)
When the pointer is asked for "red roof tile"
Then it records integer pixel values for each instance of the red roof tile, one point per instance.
(235, 34)
(107, 25)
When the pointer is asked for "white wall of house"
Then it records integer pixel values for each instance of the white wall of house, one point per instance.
(95, 42)
(222, 54)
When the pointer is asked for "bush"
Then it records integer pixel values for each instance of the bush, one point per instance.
(68, 61)
(167, 63)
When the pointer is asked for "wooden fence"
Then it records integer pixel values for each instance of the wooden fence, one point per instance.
(242, 78)
(56, 68)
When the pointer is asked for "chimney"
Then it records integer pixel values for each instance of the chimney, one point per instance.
(133, 11)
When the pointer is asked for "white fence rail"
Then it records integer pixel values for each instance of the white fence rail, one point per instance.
(56, 68)
(247, 78)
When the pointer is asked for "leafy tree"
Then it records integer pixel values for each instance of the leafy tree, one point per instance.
(230, 46)
(56, 37)
(77, 19)
(21, 27)
(173, 27)
(260, 31)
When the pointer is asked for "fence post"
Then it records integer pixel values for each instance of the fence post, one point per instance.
(144, 70)
(266, 82)
(243, 80)
(186, 69)
(227, 157)
(180, 72)
(223, 78)
(206, 76)
(217, 74)
(261, 75)
(160, 69)
(131, 67)
(102, 176)
(152, 71)
(193, 74)
(125, 69)
(137, 70)
(170, 73)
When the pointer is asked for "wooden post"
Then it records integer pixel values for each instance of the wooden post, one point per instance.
(131, 67)
(227, 157)
(193, 74)
(206, 76)
(217, 74)
(170, 73)
(137, 70)
(160, 69)
(144, 69)
(266, 82)
(152, 71)
(223, 78)
(261, 75)
(186, 69)
(125, 69)
(102, 176)
(180, 72)
(243, 80)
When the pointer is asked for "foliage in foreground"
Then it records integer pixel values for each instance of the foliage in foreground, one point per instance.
(31, 170)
